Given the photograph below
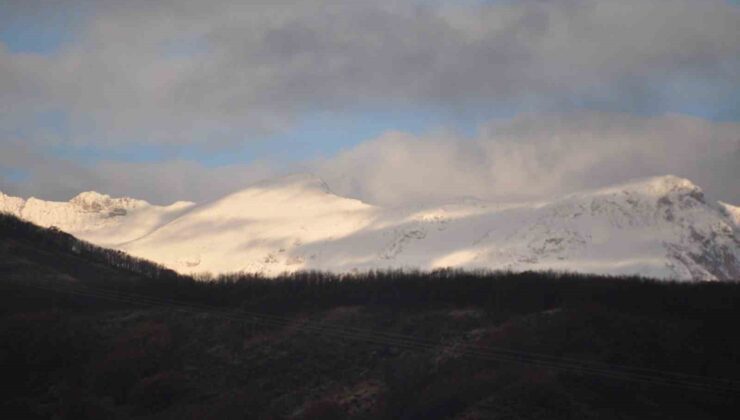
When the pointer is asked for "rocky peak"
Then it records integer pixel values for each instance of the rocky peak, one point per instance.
(732, 212)
(671, 184)
(94, 202)
(10, 204)
(90, 197)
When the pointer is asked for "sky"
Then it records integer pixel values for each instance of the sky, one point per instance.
(392, 102)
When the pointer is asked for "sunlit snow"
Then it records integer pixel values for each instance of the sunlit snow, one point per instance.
(660, 227)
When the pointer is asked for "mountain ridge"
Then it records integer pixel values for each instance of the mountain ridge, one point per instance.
(92, 216)
(660, 226)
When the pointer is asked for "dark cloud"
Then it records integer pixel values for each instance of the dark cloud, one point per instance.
(190, 71)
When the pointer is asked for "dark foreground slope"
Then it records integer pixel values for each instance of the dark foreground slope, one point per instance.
(92, 333)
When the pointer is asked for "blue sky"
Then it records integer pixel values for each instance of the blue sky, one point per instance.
(38, 30)
(313, 135)
(135, 85)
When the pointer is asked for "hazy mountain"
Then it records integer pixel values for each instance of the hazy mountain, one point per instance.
(661, 227)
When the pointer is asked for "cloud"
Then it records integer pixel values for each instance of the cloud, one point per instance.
(525, 158)
(536, 157)
(179, 180)
(214, 75)
(222, 72)
(51, 178)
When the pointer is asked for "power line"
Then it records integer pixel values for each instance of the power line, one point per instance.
(627, 373)
(366, 335)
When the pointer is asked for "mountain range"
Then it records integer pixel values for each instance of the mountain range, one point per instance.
(661, 227)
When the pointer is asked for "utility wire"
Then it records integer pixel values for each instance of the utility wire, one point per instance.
(328, 330)
(634, 374)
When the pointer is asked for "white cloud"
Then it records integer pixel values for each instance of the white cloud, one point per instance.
(528, 157)
(52, 178)
(537, 157)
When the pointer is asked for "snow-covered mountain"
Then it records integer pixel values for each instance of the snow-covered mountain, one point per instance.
(95, 217)
(660, 227)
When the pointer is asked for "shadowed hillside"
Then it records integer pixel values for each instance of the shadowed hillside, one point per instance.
(87, 332)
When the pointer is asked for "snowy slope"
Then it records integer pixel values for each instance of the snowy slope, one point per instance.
(261, 229)
(661, 227)
(733, 212)
(95, 217)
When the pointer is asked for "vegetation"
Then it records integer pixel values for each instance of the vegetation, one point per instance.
(87, 332)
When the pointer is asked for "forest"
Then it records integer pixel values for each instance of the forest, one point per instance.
(88, 332)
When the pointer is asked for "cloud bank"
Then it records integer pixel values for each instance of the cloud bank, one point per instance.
(221, 71)
(525, 158)
(49, 177)
(597, 84)
(536, 157)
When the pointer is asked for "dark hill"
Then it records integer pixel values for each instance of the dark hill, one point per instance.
(87, 332)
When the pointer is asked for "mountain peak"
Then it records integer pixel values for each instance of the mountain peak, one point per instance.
(93, 201)
(733, 212)
(90, 197)
(657, 187)
(10, 204)
(670, 183)
(279, 195)
(305, 181)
